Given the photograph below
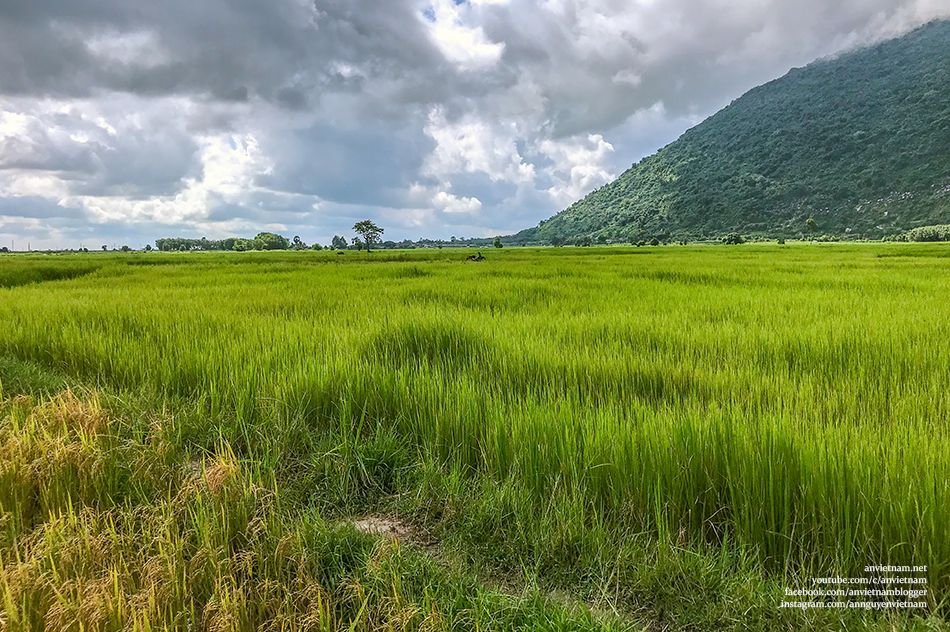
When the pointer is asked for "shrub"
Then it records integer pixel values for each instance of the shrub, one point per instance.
(733, 238)
(940, 232)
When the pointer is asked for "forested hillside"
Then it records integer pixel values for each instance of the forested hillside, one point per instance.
(859, 143)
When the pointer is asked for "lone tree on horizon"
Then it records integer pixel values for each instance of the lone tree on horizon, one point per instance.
(369, 231)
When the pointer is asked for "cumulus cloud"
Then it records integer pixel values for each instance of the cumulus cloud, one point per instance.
(454, 204)
(229, 166)
(472, 145)
(465, 46)
(439, 199)
(142, 119)
(579, 166)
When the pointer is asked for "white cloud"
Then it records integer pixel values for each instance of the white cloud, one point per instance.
(471, 145)
(57, 153)
(439, 198)
(236, 227)
(12, 125)
(453, 204)
(22, 233)
(466, 47)
(141, 48)
(627, 76)
(25, 183)
(230, 163)
(580, 165)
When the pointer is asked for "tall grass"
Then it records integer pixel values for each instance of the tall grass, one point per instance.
(787, 401)
(107, 525)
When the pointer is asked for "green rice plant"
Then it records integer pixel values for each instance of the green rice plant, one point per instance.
(215, 549)
(782, 406)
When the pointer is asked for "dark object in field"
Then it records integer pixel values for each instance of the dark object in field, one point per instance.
(475, 258)
(340, 252)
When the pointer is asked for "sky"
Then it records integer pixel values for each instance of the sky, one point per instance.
(123, 121)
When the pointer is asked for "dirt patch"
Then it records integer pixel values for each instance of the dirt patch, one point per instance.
(602, 609)
(401, 531)
(386, 527)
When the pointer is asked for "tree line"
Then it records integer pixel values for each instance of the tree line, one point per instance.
(369, 237)
(263, 241)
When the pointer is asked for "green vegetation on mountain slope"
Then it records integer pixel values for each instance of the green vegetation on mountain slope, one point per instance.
(859, 143)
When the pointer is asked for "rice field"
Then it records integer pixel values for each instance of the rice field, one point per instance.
(672, 434)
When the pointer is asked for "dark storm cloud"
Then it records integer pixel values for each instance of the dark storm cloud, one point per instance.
(148, 153)
(593, 63)
(34, 207)
(229, 50)
(335, 163)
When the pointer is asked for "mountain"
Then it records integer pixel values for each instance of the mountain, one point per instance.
(860, 143)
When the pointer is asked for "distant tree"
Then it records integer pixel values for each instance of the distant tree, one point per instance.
(126, 249)
(357, 243)
(811, 224)
(654, 242)
(316, 247)
(338, 242)
(781, 241)
(272, 241)
(369, 231)
(297, 244)
(733, 238)
(497, 242)
(4, 249)
(148, 247)
(557, 241)
(103, 248)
